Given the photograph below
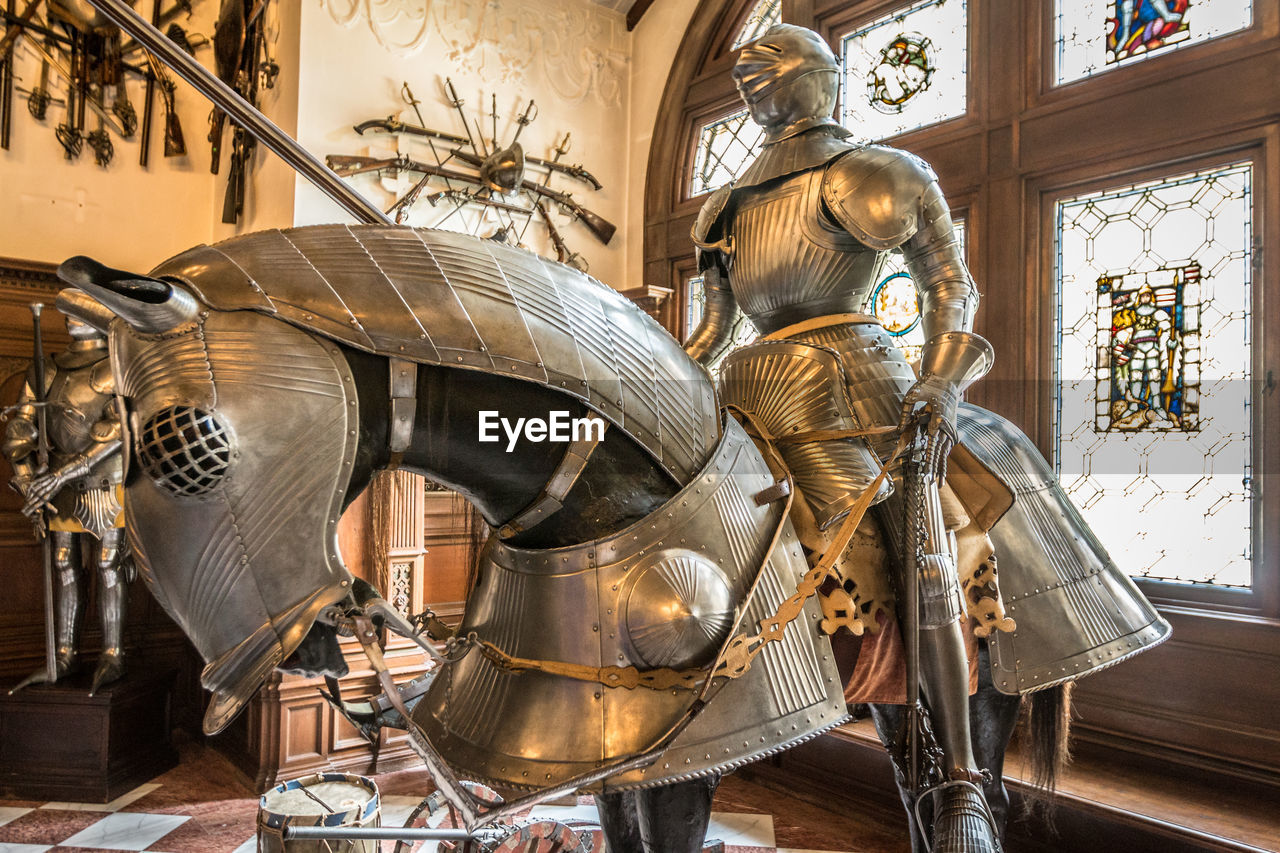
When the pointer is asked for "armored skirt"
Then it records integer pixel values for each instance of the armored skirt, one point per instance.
(1058, 608)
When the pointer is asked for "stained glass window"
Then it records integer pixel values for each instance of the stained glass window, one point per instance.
(1093, 36)
(906, 70)
(765, 14)
(725, 146)
(743, 331)
(895, 303)
(1153, 426)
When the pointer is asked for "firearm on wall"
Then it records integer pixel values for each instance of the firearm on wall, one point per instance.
(392, 125)
(348, 165)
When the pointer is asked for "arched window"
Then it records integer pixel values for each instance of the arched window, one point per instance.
(1120, 227)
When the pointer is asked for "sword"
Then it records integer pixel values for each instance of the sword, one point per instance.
(42, 529)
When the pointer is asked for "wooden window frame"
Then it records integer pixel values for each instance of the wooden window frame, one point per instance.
(1208, 694)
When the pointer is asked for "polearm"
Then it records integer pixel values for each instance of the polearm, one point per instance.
(42, 459)
(240, 111)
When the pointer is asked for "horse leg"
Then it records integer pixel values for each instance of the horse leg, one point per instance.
(674, 818)
(992, 718)
(620, 822)
(668, 819)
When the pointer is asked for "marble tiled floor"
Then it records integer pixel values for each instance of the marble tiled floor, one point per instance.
(204, 806)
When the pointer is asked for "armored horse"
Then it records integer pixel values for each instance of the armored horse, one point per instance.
(643, 618)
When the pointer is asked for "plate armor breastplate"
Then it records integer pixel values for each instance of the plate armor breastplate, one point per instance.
(820, 269)
(78, 406)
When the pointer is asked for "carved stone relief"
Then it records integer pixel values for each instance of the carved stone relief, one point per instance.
(574, 48)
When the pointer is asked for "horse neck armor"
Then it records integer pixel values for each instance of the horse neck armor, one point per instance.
(662, 593)
(436, 297)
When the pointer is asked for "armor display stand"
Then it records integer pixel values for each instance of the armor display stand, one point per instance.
(59, 743)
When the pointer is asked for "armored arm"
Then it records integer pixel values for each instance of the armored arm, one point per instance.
(22, 433)
(714, 334)
(22, 437)
(105, 443)
(890, 199)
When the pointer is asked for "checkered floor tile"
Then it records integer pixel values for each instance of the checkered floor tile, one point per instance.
(203, 806)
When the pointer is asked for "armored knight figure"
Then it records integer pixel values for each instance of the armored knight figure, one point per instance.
(78, 495)
(797, 244)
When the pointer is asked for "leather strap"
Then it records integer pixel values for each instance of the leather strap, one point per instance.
(823, 322)
(403, 384)
(551, 498)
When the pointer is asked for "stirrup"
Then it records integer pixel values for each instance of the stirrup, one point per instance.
(965, 782)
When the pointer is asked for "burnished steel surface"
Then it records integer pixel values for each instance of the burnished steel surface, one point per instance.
(84, 438)
(1077, 612)
(441, 298)
(238, 541)
(817, 269)
(795, 387)
(659, 593)
(875, 192)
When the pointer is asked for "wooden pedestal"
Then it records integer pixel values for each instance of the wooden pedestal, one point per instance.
(60, 743)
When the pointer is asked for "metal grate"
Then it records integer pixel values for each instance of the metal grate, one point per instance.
(185, 450)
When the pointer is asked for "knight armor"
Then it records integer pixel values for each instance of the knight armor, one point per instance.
(798, 243)
(79, 493)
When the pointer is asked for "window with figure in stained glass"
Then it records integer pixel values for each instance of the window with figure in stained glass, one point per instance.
(1153, 427)
(906, 70)
(1093, 36)
(763, 15)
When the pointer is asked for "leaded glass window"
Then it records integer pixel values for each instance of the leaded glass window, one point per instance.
(1153, 428)
(725, 146)
(906, 70)
(896, 304)
(765, 14)
(1094, 36)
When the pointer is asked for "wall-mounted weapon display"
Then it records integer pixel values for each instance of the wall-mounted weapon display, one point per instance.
(503, 188)
(87, 67)
(243, 61)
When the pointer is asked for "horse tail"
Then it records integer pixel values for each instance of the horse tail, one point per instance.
(1049, 731)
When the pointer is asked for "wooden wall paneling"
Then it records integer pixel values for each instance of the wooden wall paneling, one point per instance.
(446, 548)
(290, 730)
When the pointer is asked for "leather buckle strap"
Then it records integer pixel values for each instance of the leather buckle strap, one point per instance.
(404, 407)
(551, 498)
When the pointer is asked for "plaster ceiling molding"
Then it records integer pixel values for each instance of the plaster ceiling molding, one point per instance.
(577, 48)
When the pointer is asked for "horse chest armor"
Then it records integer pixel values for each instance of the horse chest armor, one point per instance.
(816, 263)
(661, 593)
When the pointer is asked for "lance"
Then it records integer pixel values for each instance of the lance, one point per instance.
(42, 527)
(241, 111)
